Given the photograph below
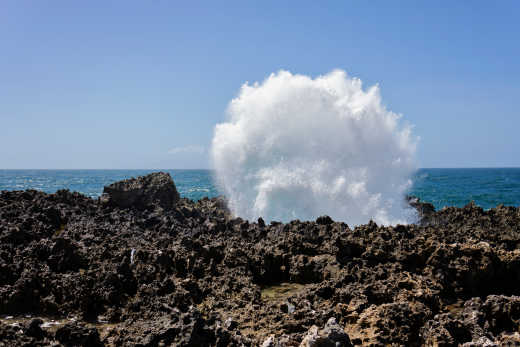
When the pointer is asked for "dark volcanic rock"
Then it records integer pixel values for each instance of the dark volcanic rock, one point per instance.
(34, 330)
(174, 272)
(425, 210)
(142, 192)
(77, 335)
(492, 322)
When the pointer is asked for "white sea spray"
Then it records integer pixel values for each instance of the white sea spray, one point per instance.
(296, 147)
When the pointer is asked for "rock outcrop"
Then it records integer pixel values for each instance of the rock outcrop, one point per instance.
(163, 271)
(142, 192)
(425, 210)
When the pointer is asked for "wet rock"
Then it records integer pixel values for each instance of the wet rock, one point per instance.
(425, 210)
(142, 192)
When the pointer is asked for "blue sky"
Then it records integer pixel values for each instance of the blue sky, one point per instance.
(134, 84)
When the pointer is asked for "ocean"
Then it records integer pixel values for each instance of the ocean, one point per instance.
(441, 187)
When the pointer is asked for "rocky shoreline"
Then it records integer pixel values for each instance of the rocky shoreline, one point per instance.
(143, 267)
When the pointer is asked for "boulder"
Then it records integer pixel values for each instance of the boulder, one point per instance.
(142, 192)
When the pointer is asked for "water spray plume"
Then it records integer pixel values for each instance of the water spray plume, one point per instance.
(295, 147)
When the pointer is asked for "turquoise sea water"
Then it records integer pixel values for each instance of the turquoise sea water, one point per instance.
(457, 187)
(193, 184)
(442, 187)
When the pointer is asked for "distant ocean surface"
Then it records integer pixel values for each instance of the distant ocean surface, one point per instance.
(441, 187)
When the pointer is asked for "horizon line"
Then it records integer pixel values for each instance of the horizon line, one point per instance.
(208, 169)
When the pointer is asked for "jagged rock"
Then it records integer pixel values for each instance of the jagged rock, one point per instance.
(425, 210)
(324, 220)
(191, 274)
(12, 335)
(332, 335)
(230, 324)
(477, 323)
(269, 342)
(142, 192)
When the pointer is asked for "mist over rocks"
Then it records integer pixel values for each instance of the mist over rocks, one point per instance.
(296, 147)
(79, 271)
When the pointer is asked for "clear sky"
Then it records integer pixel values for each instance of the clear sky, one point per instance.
(141, 84)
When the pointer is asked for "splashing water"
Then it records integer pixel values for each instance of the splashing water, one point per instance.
(297, 148)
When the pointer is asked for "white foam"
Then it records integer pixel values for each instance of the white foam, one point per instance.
(295, 147)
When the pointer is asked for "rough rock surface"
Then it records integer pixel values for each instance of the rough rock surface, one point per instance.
(142, 192)
(333, 335)
(77, 271)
